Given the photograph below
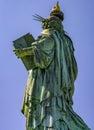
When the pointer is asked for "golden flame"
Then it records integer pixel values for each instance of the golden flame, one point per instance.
(56, 8)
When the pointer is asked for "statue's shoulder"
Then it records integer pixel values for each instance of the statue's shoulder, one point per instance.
(44, 37)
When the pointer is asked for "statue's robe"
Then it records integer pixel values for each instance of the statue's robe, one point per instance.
(48, 102)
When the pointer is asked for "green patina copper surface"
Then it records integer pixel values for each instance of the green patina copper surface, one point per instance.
(52, 70)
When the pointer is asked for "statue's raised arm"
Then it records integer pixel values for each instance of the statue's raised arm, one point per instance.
(52, 69)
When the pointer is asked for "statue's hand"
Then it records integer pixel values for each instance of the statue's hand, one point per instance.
(20, 53)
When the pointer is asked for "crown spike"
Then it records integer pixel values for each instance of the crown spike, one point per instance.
(38, 17)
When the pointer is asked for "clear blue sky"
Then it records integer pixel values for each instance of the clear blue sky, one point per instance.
(16, 20)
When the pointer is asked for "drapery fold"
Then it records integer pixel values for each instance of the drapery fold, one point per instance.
(48, 101)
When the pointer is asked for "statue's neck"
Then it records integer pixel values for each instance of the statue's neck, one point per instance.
(47, 31)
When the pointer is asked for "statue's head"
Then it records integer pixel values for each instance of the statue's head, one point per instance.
(54, 21)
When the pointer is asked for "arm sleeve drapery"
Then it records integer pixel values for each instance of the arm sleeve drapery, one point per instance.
(43, 52)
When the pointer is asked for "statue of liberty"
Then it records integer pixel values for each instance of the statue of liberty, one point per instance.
(47, 103)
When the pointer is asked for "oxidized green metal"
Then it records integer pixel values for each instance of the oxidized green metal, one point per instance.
(52, 69)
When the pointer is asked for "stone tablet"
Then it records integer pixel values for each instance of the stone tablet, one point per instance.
(24, 42)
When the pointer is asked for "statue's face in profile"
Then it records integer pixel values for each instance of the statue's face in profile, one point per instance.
(52, 22)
